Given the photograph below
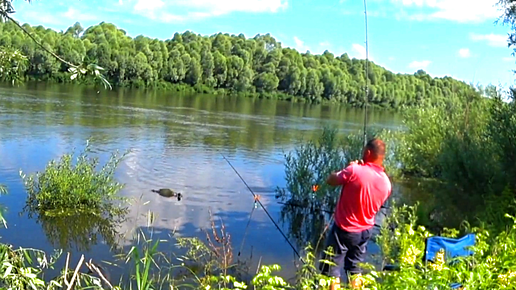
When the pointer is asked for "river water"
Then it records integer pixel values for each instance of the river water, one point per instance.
(176, 142)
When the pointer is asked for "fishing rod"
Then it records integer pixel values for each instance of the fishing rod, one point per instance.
(256, 199)
(367, 74)
(293, 204)
(366, 102)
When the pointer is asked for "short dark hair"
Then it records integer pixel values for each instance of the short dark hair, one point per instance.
(376, 146)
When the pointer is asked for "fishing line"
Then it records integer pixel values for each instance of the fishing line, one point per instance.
(267, 212)
(247, 228)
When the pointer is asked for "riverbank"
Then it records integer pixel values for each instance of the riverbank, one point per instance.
(212, 264)
(163, 87)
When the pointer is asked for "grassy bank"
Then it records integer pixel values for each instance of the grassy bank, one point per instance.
(210, 264)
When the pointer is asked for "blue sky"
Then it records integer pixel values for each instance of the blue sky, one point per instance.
(444, 37)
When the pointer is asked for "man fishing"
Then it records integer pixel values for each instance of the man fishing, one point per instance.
(365, 188)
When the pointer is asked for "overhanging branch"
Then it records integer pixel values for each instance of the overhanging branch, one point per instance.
(39, 43)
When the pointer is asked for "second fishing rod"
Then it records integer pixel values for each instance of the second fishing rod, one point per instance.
(257, 200)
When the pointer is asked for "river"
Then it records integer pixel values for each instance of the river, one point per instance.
(175, 141)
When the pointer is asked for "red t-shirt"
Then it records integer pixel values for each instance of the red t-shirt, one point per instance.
(365, 188)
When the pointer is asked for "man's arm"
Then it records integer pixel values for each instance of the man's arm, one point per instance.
(337, 178)
(334, 179)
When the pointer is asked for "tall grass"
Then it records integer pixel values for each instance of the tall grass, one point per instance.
(64, 188)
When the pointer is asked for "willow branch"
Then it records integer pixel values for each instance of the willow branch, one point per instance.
(39, 43)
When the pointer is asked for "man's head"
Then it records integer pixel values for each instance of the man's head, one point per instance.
(374, 151)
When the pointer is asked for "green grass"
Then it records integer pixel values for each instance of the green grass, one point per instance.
(64, 188)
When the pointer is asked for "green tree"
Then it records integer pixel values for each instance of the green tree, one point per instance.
(234, 63)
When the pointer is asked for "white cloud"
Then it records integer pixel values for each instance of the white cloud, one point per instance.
(199, 9)
(509, 59)
(454, 10)
(325, 44)
(148, 5)
(419, 64)
(359, 51)
(227, 6)
(300, 45)
(464, 53)
(81, 16)
(496, 40)
(38, 15)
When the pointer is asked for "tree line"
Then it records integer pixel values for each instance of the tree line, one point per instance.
(231, 63)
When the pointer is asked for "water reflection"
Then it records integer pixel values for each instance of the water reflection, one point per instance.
(305, 225)
(79, 232)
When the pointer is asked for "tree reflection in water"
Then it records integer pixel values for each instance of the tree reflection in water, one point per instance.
(305, 224)
(79, 232)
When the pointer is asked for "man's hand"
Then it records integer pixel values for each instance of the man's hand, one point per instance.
(360, 162)
(333, 179)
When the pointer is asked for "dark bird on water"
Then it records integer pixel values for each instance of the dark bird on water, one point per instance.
(168, 193)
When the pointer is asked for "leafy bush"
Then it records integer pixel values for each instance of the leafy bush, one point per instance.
(64, 188)
(469, 146)
(429, 130)
(312, 162)
(12, 65)
(310, 165)
(502, 133)
(492, 266)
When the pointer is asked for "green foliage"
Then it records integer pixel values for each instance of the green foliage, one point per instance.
(264, 279)
(469, 146)
(85, 71)
(501, 130)
(12, 65)
(308, 276)
(309, 165)
(401, 242)
(312, 162)
(220, 62)
(25, 269)
(142, 265)
(17, 271)
(437, 137)
(494, 204)
(492, 266)
(6, 7)
(64, 188)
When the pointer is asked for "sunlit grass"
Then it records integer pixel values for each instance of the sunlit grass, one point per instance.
(64, 188)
